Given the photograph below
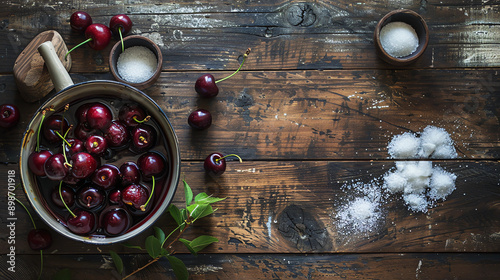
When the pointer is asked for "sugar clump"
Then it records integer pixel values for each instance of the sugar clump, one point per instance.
(136, 64)
(398, 39)
(442, 184)
(404, 146)
(436, 143)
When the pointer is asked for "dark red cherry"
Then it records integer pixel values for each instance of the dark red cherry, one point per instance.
(99, 116)
(71, 180)
(9, 115)
(116, 135)
(120, 23)
(200, 119)
(83, 222)
(39, 239)
(79, 21)
(130, 173)
(83, 165)
(75, 146)
(205, 86)
(132, 115)
(115, 221)
(55, 167)
(90, 196)
(83, 132)
(81, 113)
(143, 137)
(36, 161)
(68, 195)
(52, 124)
(215, 164)
(115, 196)
(96, 145)
(100, 35)
(135, 195)
(151, 164)
(106, 176)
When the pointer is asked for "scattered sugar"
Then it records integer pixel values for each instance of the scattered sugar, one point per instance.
(398, 39)
(137, 64)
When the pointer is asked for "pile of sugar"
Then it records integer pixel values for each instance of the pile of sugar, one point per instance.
(418, 183)
(421, 184)
(398, 39)
(137, 64)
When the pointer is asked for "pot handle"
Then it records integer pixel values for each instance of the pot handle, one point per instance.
(58, 74)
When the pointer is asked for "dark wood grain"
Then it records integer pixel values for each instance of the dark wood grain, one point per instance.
(320, 114)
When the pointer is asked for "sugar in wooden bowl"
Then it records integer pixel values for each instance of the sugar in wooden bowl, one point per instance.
(139, 64)
(401, 37)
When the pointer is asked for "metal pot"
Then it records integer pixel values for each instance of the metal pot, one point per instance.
(70, 93)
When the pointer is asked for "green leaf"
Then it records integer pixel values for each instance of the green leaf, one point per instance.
(132, 246)
(188, 192)
(164, 252)
(63, 274)
(175, 213)
(201, 242)
(180, 270)
(153, 246)
(198, 211)
(188, 245)
(203, 198)
(117, 260)
(159, 234)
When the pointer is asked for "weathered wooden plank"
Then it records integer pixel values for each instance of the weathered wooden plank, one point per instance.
(210, 36)
(265, 266)
(318, 114)
(261, 195)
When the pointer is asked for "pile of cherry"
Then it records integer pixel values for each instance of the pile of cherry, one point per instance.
(93, 194)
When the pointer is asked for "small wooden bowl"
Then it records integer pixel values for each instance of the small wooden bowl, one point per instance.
(131, 41)
(417, 22)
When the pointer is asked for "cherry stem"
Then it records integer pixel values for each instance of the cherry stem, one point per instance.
(121, 38)
(143, 139)
(86, 41)
(66, 108)
(143, 207)
(139, 121)
(62, 199)
(39, 129)
(237, 70)
(230, 155)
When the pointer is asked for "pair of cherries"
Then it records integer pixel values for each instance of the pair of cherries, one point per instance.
(99, 35)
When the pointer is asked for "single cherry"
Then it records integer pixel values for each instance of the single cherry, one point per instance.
(98, 36)
(132, 115)
(116, 135)
(9, 115)
(36, 161)
(39, 239)
(54, 125)
(81, 113)
(82, 131)
(116, 221)
(206, 85)
(83, 165)
(120, 25)
(136, 196)
(81, 222)
(67, 194)
(79, 21)
(71, 180)
(106, 176)
(99, 116)
(56, 168)
(143, 137)
(90, 197)
(215, 163)
(130, 173)
(200, 119)
(96, 145)
(151, 164)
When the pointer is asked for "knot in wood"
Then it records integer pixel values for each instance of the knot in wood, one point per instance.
(301, 14)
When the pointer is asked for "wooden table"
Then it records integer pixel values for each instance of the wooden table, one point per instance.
(312, 111)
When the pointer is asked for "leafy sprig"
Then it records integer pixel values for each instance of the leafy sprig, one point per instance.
(159, 245)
